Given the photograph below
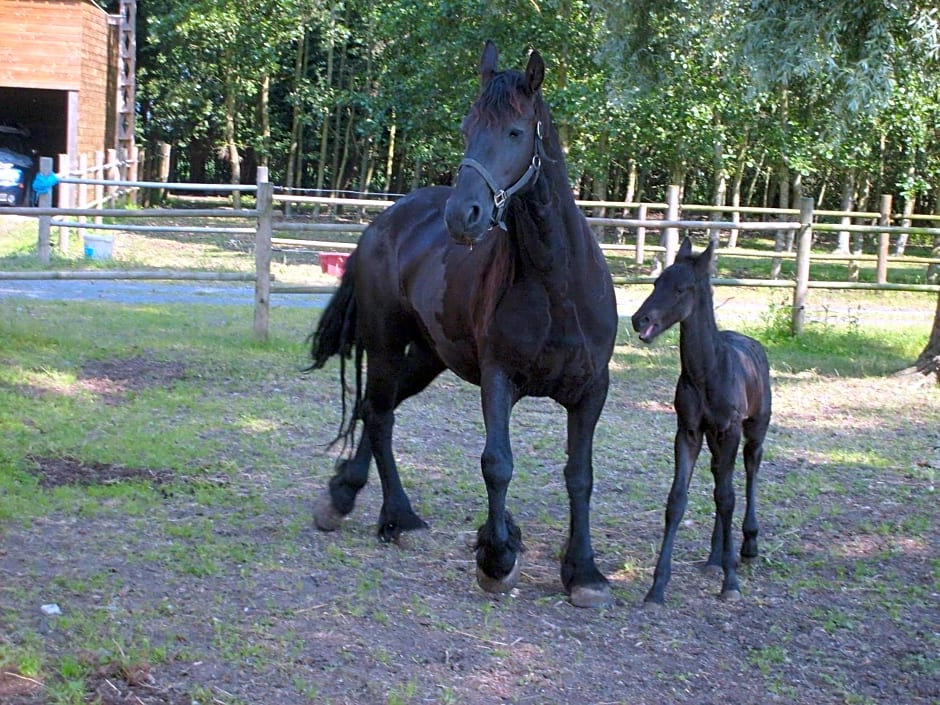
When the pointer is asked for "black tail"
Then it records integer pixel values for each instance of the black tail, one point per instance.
(336, 335)
(336, 331)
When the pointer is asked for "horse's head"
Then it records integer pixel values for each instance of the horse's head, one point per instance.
(503, 134)
(673, 297)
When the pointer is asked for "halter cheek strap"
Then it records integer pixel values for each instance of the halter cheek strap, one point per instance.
(501, 196)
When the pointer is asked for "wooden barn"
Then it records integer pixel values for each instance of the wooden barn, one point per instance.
(66, 74)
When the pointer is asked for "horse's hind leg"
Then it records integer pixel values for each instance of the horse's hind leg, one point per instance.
(392, 378)
(724, 451)
(418, 370)
(340, 497)
(753, 452)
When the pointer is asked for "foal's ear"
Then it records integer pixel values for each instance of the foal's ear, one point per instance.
(703, 263)
(535, 71)
(685, 249)
(488, 62)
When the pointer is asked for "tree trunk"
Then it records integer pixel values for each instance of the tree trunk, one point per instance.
(928, 363)
(390, 154)
(231, 147)
(910, 198)
(736, 182)
(629, 193)
(294, 178)
(325, 125)
(265, 115)
(848, 195)
(783, 201)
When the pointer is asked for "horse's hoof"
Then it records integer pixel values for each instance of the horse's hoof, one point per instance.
(504, 584)
(730, 596)
(590, 596)
(652, 605)
(325, 515)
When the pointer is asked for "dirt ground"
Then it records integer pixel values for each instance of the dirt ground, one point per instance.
(842, 608)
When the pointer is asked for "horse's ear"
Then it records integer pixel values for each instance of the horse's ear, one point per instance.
(535, 71)
(488, 62)
(703, 263)
(685, 249)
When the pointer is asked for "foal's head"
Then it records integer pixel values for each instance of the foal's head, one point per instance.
(674, 293)
(503, 133)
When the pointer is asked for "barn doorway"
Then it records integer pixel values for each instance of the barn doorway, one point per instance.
(47, 115)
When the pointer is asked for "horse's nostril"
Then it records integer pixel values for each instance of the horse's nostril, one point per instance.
(473, 217)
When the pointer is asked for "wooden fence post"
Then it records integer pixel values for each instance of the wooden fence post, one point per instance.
(81, 194)
(99, 188)
(65, 200)
(265, 208)
(641, 235)
(884, 239)
(112, 175)
(44, 246)
(672, 213)
(802, 265)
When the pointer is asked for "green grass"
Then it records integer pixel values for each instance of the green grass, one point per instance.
(240, 424)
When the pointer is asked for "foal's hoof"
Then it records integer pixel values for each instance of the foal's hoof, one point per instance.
(590, 595)
(730, 596)
(325, 515)
(504, 584)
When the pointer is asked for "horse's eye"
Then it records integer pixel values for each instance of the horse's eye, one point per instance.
(515, 133)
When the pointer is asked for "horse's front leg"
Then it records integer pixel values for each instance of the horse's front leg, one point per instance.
(687, 446)
(724, 451)
(585, 584)
(499, 540)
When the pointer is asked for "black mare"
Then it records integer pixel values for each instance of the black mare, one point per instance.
(723, 393)
(499, 279)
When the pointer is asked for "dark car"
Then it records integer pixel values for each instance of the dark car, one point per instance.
(17, 166)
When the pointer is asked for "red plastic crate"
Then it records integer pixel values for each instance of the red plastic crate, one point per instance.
(333, 262)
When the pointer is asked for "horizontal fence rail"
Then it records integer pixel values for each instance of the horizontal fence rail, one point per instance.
(265, 224)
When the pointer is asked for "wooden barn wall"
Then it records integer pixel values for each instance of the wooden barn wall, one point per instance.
(93, 99)
(39, 44)
(63, 45)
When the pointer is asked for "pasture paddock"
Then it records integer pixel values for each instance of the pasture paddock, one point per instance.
(189, 569)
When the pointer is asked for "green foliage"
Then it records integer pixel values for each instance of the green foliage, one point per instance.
(712, 96)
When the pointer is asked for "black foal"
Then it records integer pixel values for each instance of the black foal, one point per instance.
(723, 393)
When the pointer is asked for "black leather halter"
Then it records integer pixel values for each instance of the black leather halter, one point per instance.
(501, 196)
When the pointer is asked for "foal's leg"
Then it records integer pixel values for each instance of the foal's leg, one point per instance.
(418, 370)
(499, 540)
(688, 445)
(753, 452)
(724, 451)
(586, 585)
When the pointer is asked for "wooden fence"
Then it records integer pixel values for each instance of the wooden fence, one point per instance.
(663, 218)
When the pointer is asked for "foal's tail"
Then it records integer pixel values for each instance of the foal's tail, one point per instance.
(336, 335)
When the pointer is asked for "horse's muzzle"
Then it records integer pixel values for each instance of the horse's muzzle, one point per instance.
(466, 220)
(647, 329)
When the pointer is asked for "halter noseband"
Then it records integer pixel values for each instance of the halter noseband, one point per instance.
(501, 196)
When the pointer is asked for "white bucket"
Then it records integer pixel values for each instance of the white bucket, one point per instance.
(99, 246)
